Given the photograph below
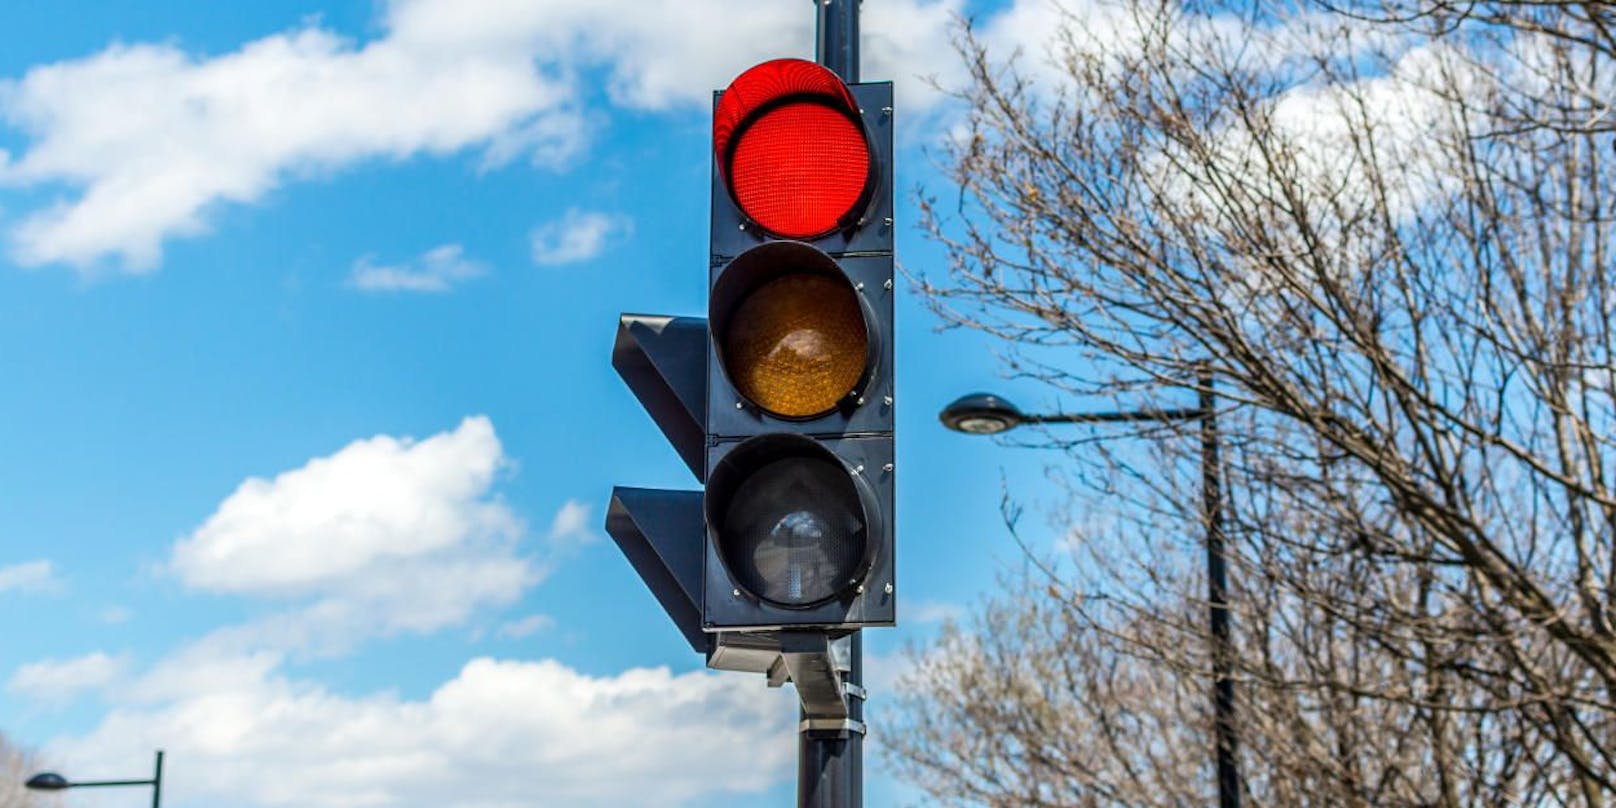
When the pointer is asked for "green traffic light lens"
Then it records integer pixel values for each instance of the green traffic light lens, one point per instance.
(794, 533)
(790, 520)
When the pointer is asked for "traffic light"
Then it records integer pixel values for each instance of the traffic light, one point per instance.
(799, 383)
(781, 401)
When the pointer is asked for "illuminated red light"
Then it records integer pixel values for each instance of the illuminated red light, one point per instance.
(790, 148)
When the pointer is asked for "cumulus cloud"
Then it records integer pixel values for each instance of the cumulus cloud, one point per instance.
(576, 236)
(385, 534)
(29, 576)
(437, 270)
(499, 733)
(392, 533)
(377, 498)
(61, 680)
(152, 137)
(571, 523)
(155, 136)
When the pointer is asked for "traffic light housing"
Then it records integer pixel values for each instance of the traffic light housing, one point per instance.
(799, 500)
(781, 401)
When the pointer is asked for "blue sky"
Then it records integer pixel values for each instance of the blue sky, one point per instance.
(309, 423)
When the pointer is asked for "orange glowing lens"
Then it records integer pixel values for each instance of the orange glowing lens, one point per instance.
(797, 345)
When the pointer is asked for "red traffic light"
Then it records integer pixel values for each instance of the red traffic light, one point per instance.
(791, 148)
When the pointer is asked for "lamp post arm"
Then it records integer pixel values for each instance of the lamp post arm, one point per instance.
(98, 783)
(1128, 416)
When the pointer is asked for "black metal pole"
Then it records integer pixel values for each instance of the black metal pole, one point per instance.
(157, 783)
(830, 765)
(837, 44)
(1217, 573)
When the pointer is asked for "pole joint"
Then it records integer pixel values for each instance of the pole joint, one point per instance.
(830, 727)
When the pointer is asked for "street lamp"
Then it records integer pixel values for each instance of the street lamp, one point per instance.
(989, 414)
(51, 781)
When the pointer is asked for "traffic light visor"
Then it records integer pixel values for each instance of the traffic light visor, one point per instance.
(789, 520)
(791, 332)
(791, 148)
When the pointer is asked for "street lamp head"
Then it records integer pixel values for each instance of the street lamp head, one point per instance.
(981, 414)
(47, 781)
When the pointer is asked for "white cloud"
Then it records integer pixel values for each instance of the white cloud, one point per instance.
(61, 680)
(525, 627)
(153, 138)
(499, 734)
(437, 270)
(29, 576)
(931, 611)
(116, 615)
(908, 42)
(576, 236)
(377, 498)
(386, 534)
(571, 523)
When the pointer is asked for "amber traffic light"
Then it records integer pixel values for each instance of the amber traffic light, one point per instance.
(791, 330)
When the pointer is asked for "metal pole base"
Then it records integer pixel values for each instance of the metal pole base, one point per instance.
(830, 773)
(830, 753)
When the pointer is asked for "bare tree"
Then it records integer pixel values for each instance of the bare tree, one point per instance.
(1386, 231)
(16, 766)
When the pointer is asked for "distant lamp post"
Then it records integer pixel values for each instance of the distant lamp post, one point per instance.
(51, 781)
(981, 414)
(989, 414)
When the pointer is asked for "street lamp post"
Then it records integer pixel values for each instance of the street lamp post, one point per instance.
(988, 414)
(51, 781)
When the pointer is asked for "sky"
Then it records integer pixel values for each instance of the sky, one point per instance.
(308, 420)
